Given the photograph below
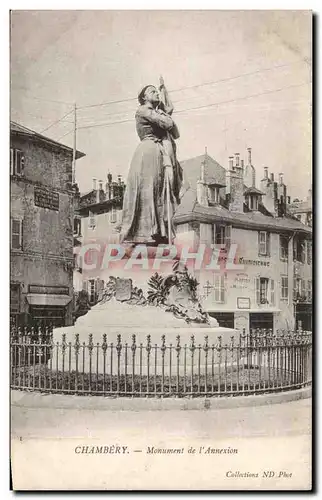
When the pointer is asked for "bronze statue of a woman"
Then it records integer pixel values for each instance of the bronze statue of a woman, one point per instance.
(155, 175)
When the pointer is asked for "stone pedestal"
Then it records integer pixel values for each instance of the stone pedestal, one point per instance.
(150, 299)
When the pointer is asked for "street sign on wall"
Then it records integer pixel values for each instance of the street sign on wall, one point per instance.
(45, 198)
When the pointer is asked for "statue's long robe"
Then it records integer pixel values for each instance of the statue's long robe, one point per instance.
(145, 216)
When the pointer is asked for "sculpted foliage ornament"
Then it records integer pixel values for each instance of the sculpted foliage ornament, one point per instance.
(175, 293)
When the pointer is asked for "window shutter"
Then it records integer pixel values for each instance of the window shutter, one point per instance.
(22, 163)
(96, 286)
(21, 234)
(217, 288)
(303, 291)
(12, 170)
(309, 252)
(262, 243)
(100, 286)
(309, 290)
(85, 286)
(222, 287)
(268, 244)
(272, 292)
(257, 288)
(19, 162)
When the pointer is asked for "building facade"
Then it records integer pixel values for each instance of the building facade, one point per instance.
(270, 283)
(302, 209)
(98, 218)
(42, 213)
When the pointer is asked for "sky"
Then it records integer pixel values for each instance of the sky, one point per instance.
(250, 73)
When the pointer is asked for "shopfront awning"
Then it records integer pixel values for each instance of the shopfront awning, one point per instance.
(44, 299)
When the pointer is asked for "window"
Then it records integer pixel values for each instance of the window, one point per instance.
(91, 221)
(77, 227)
(309, 252)
(92, 290)
(16, 234)
(222, 235)
(265, 291)
(309, 290)
(283, 247)
(17, 161)
(219, 288)
(263, 243)
(284, 288)
(15, 298)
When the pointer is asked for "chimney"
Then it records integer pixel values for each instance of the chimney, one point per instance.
(202, 188)
(249, 156)
(202, 171)
(98, 192)
(231, 163)
(236, 191)
(265, 172)
(281, 178)
(237, 159)
(94, 184)
(242, 164)
(272, 194)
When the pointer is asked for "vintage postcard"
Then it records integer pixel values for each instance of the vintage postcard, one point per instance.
(161, 250)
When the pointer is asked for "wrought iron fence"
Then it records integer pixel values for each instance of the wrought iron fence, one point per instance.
(259, 362)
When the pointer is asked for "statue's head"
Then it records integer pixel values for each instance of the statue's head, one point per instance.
(149, 93)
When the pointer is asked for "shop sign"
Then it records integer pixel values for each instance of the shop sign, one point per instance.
(253, 262)
(56, 290)
(243, 302)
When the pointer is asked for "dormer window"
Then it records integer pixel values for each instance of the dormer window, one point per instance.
(253, 197)
(213, 195)
(253, 202)
(214, 192)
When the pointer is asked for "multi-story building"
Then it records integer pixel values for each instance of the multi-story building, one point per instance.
(302, 209)
(273, 286)
(97, 220)
(41, 194)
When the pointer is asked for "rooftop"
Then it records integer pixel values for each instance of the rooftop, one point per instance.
(16, 128)
(253, 190)
(190, 210)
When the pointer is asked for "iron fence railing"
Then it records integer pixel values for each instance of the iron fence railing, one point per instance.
(259, 362)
